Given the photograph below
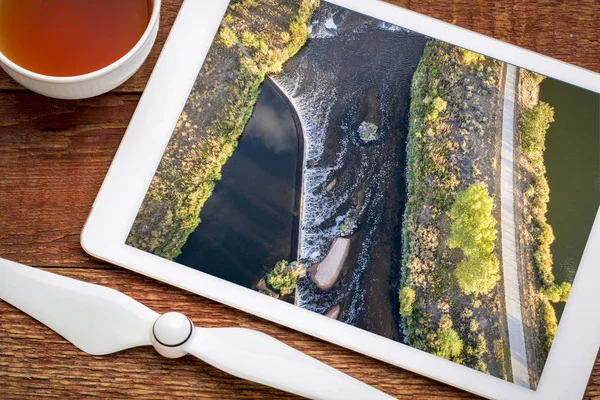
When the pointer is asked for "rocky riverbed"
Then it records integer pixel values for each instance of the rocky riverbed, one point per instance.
(351, 82)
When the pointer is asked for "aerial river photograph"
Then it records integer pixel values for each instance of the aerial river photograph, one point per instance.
(391, 181)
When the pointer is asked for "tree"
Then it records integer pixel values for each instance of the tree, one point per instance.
(535, 121)
(249, 40)
(474, 231)
(550, 322)
(448, 344)
(438, 105)
(537, 77)
(477, 274)
(284, 276)
(558, 294)
(228, 37)
(407, 298)
(470, 57)
(473, 227)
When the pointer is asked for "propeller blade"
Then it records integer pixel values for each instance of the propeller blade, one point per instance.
(96, 319)
(99, 320)
(257, 357)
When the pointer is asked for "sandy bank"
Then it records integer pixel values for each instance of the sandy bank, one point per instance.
(334, 312)
(327, 271)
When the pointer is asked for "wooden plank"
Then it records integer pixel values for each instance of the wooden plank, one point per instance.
(35, 361)
(53, 157)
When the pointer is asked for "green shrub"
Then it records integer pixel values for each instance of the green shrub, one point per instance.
(490, 81)
(407, 298)
(541, 199)
(537, 77)
(558, 293)
(478, 274)
(481, 348)
(249, 40)
(229, 19)
(284, 278)
(535, 121)
(469, 57)
(473, 225)
(480, 366)
(542, 255)
(550, 323)
(438, 105)
(499, 353)
(473, 231)
(228, 37)
(448, 344)
(445, 322)
(530, 192)
(285, 37)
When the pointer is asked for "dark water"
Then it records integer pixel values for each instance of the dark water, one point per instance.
(250, 221)
(572, 160)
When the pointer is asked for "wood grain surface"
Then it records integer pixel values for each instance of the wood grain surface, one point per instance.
(53, 157)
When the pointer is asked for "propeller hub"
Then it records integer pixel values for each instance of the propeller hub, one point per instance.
(171, 331)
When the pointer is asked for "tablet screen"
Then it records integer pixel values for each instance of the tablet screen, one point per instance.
(385, 179)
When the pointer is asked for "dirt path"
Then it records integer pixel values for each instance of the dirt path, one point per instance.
(509, 252)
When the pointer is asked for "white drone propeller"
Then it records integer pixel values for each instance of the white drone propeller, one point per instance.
(99, 320)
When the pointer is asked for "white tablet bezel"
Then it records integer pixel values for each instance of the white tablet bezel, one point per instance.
(573, 353)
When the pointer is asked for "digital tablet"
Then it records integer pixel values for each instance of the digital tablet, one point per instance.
(378, 179)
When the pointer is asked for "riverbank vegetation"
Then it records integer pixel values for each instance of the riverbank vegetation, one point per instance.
(474, 232)
(255, 39)
(535, 235)
(282, 280)
(450, 301)
(284, 277)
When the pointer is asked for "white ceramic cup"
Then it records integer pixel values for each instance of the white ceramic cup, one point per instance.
(93, 83)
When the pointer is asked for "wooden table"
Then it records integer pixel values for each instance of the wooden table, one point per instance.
(53, 157)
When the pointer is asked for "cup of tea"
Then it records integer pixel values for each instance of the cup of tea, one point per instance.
(74, 49)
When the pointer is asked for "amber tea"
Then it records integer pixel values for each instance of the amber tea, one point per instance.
(70, 37)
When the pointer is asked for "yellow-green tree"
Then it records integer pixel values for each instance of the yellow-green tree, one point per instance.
(448, 344)
(478, 274)
(550, 322)
(474, 232)
(473, 225)
(407, 298)
(228, 37)
(438, 105)
(535, 121)
(558, 293)
(284, 278)
(470, 57)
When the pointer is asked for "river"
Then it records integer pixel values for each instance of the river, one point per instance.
(251, 220)
(572, 159)
(354, 69)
